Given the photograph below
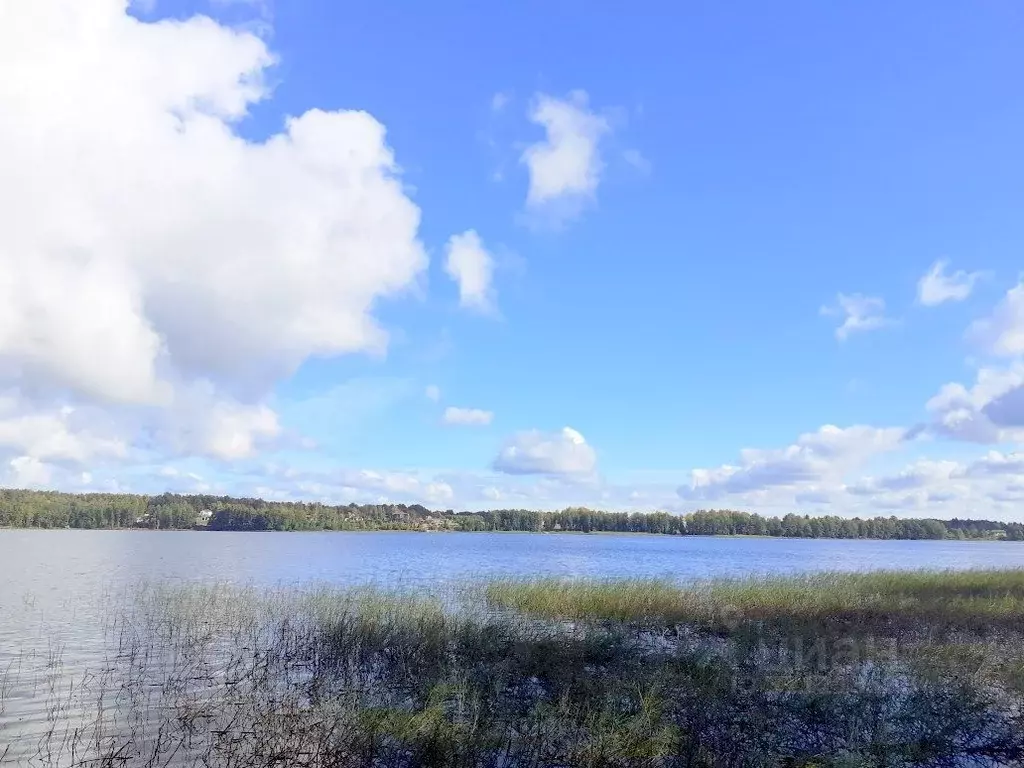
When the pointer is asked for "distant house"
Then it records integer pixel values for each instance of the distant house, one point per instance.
(204, 517)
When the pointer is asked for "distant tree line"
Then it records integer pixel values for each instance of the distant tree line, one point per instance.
(51, 509)
(732, 523)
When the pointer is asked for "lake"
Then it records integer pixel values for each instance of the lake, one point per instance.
(53, 583)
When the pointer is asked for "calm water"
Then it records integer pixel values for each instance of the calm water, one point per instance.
(53, 583)
(56, 576)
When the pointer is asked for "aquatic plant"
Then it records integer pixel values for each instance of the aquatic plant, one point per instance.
(557, 673)
(971, 599)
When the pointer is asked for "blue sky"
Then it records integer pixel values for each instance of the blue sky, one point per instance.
(620, 247)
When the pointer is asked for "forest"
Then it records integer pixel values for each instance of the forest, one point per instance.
(52, 509)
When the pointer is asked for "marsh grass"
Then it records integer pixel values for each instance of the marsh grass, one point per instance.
(976, 600)
(558, 673)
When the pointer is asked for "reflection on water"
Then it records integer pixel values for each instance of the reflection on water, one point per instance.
(55, 586)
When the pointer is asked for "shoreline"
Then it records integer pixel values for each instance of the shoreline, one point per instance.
(628, 534)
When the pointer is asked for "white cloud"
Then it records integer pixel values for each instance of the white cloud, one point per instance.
(859, 313)
(922, 474)
(499, 101)
(401, 484)
(437, 492)
(996, 463)
(924, 488)
(1007, 410)
(260, 23)
(986, 488)
(398, 487)
(174, 480)
(565, 452)
(148, 249)
(454, 489)
(936, 287)
(232, 431)
(813, 495)
(565, 167)
(28, 472)
(1002, 333)
(432, 393)
(470, 265)
(991, 411)
(635, 158)
(990, 487)
(815, 458)
(62, 434)
(467, 416)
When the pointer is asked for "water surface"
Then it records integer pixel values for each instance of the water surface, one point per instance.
(57, 572)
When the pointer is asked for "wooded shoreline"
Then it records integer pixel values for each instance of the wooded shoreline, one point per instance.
(52, 509)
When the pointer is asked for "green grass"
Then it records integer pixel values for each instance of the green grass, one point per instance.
(953, 599)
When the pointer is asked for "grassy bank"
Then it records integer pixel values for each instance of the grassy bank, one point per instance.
(883, 669)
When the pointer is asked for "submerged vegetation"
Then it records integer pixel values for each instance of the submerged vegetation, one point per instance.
(880, 669)
(50, 509)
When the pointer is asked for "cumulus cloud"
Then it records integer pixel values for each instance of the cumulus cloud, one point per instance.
(470, 265)
(997, 463)
(175, 480)
(987, 487)
(990, 411)
(61, 434)
(472, 417)
(936, 286)
(815, 458)
(1002, 333)
(28, 472)
(224, 429)
(922, 474)
(149, 249)
(355, 485)
(859, 313)
(534, 452)
(397, 485)
(1007, 410)
(814, 496)
(565, 167)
